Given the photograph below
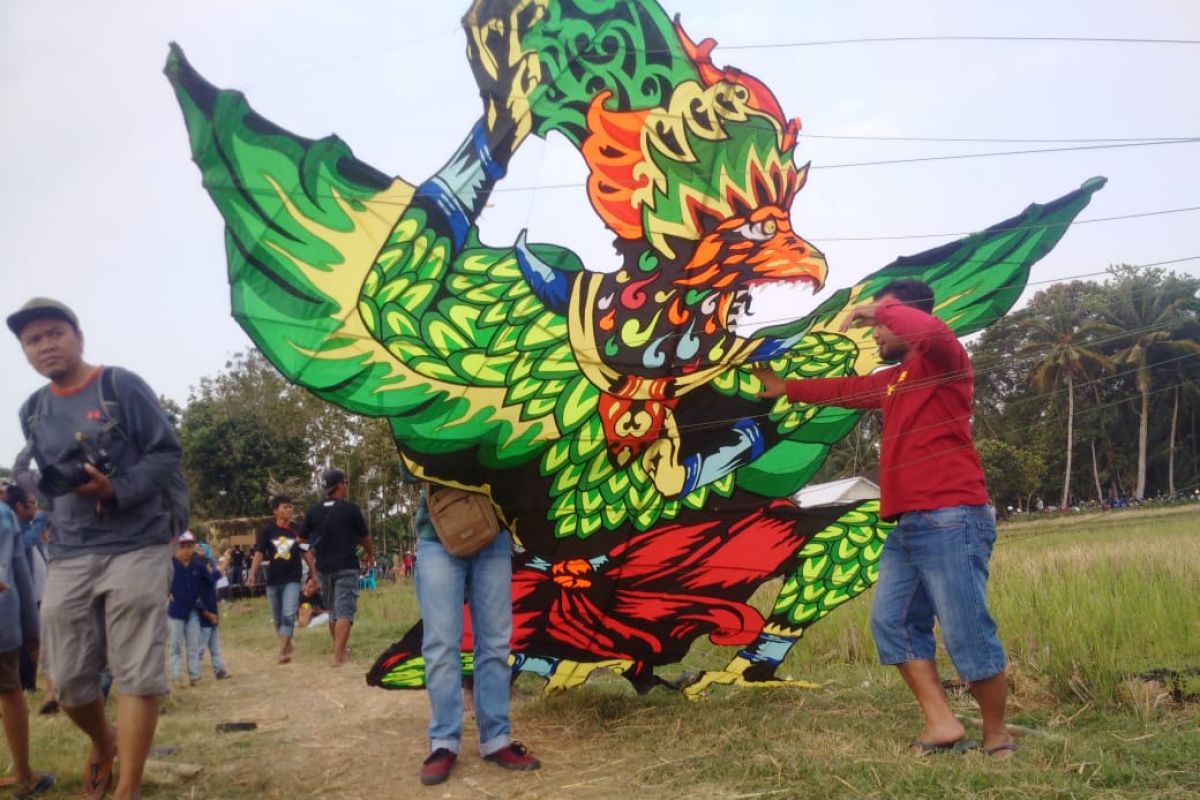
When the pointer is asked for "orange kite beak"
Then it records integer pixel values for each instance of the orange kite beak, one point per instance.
(745, 251)
(787, 257)
(758, 248)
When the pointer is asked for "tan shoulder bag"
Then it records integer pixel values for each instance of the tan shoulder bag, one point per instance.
(465, 522)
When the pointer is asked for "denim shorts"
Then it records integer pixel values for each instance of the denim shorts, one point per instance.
(339, 590)
(935, 566)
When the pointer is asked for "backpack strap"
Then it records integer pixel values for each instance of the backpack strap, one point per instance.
(34, 409)
(109, 403)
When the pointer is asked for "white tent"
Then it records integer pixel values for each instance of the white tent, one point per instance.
(846, 490)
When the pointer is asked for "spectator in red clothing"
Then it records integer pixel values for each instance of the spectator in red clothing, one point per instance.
(935, 562)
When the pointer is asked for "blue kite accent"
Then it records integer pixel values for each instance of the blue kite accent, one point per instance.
(552, 286)
(768, 649)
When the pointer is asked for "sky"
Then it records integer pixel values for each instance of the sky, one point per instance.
(102, 208)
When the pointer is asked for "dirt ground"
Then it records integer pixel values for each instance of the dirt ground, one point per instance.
(323, 733)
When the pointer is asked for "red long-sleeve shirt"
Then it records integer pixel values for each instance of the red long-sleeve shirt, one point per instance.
(928, 459)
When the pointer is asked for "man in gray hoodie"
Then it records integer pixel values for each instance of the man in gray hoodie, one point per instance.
(107, 453)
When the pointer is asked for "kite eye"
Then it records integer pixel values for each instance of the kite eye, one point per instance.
(758, 231)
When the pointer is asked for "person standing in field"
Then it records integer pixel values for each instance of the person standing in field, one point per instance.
(483, 582)
(35, 528)
(237, 566)
(279, 545)
(109, 458)
(210, 613)
(935, 562)
(18, 632)
(184, 607)
(335, 529)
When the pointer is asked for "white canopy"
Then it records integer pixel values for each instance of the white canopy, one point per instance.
(845, 490)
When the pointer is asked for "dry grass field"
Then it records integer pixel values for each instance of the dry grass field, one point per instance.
(1083, 606)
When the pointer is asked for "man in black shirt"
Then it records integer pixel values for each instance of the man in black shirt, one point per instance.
(335, 529)
(278, 544)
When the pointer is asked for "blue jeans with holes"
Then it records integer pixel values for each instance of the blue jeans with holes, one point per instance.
(485, 581)
(285, 602)
(185, 637)
(935, 566)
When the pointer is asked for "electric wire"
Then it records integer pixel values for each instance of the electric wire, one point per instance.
(371, 203)
(978, 140)
(975, 155)
(962, 38)
(590, 353)
(948, 377)
(1135, 215)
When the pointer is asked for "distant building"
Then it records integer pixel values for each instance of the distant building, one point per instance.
(846, 490)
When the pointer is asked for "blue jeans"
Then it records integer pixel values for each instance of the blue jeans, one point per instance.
(285, 602)
(935, 565)
(185, 636)
(210, 638)
(485, 581)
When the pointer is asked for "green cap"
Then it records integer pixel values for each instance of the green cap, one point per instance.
(40, 308)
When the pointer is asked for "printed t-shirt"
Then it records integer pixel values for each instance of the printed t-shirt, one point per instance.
(283, 553)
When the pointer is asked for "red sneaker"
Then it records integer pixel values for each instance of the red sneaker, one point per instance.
(515, 756)
(436, 768)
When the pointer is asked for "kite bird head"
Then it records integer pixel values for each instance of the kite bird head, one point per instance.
(702, 187)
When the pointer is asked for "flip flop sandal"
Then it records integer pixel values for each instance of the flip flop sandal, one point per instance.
(43, 783)
(97, 780)
(959, 746)
(1000, 748)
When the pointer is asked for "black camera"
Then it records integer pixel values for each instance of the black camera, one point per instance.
(60, 478)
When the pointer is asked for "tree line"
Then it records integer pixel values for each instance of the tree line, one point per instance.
(1088, 393)
(247, 429)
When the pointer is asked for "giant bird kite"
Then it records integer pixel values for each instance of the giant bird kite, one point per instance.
(608, 414)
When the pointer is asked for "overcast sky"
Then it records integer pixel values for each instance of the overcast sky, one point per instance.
(102, 207)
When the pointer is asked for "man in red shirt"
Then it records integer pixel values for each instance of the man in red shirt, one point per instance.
(935, 562)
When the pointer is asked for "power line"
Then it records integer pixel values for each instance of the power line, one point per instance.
(907, 39)
(885, 162)
(1018, 228)
(934, 380)
(717, 424)
(974, 140)
(1025, 284)
(1030, 427)
(589, 355)
(999, 153)
(370, 203)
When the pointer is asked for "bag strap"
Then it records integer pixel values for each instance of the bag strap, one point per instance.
(34, 409)
(110, 405)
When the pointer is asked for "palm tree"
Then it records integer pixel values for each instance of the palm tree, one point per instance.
(1179, 363)
(1059, 341)
(1146, 315)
